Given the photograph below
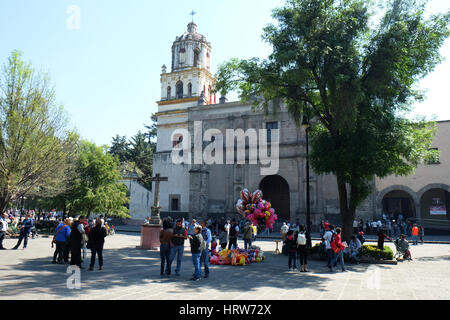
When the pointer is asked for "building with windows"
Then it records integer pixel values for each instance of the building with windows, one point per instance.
(211, 190)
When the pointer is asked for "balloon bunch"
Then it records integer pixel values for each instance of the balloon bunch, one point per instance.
(255, 209)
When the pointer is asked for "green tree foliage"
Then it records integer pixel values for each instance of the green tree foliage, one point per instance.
(96, 187)
(136, 155)
(35, 142)
(356, 79)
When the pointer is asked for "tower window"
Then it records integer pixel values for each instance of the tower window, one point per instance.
(169, 89)
(179, 90)
(196, 57)
(190, 89)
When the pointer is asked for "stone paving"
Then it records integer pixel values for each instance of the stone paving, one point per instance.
(133, 274)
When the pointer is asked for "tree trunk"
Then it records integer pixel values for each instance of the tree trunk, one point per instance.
(347, 214)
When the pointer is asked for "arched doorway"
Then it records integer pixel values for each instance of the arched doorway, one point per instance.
(275, 189)
(399, 201)
(434, 207)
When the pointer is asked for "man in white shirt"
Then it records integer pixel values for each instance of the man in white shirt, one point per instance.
(3, 228)
(284, 230)
(327, 237)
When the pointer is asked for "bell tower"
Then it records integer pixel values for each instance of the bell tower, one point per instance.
(190, 79)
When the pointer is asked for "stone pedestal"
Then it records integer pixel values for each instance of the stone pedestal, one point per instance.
(150, 236)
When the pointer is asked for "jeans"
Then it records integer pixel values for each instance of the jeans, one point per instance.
(247, 244)
(355, 256)
(292, 259)
(59, 251)
(415, 240)
(164, 252)
(23, 236)
(339, 256)
(197, 267)
(330, 256)
(180, 250)
(97, 249)
(205, 260)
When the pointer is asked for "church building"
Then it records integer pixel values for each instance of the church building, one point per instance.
(211, 190)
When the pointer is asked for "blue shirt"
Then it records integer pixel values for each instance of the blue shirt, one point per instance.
(64, 234)
(27, 225)
(206, 233)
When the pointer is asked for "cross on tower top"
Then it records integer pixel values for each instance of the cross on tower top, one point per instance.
(192, 14)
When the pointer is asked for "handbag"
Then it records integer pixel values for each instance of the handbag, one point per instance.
(53, 240)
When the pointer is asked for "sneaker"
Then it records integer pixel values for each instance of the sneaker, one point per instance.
(91, 269)
(100, 268)
(195, 279)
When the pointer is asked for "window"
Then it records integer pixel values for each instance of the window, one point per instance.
(179, 90)
(174, 201)
(270, 126)
(169, 89)
(190, 90)
(196, 57)
(210, 94)
(434, 158)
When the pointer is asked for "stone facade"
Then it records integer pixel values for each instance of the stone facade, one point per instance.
(212, 190)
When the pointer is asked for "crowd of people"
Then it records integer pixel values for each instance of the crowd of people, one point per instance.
(202, 236)
(72, 236)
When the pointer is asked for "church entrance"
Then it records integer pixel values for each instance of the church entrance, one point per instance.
(399, 201)
(275, 189)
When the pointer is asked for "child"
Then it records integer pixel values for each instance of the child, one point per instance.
(291, 248)
(223, 238)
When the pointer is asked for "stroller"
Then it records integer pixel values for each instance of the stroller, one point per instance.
(402, 252)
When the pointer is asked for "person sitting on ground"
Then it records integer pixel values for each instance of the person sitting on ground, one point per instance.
(403, 245)
(354, 249)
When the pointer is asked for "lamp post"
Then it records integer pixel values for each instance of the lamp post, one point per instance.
(306, 126)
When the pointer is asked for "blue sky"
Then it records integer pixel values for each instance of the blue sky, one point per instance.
(106, 72)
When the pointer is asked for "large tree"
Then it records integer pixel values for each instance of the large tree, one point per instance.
(96, 188)
(35, 141)
(356, 79)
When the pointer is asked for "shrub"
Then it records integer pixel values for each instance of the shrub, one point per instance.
(373, 252)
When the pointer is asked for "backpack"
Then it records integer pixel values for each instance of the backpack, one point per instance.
(301, 239)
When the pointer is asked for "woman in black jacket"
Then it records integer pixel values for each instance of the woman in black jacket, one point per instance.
(96, 241)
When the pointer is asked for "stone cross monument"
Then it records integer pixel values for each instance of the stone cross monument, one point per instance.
(156, 209)
(150, 232)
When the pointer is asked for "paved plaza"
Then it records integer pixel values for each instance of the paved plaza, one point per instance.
(133, 274)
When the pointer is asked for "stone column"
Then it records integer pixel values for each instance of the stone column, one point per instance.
(198, 191)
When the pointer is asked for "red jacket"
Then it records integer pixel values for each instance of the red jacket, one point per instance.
(338, 241)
